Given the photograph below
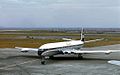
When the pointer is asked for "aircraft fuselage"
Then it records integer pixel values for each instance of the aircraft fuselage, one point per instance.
(67, 45)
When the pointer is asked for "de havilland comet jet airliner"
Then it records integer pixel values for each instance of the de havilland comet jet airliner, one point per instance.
(69, 46)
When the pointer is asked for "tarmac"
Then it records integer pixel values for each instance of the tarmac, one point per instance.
(13, 62)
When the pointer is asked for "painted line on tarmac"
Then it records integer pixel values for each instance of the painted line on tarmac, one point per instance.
(9, 66)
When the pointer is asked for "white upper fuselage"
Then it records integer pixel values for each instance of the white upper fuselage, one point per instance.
(62, 44)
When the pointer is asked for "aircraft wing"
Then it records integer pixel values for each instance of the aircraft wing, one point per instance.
(26, 49)
(114, 62)
(94, 40)
(90, 52)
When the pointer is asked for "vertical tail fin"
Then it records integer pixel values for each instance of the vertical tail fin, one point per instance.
(82, 35)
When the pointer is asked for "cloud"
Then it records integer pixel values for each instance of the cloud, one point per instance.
(74, 3)
(14, 1)
(62, 12)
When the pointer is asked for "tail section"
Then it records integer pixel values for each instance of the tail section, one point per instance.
(82, 35)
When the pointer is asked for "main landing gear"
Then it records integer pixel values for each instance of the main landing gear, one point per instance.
(43, 61)
(80, 56)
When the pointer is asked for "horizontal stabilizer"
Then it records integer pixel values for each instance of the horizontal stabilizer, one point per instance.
(94, 40)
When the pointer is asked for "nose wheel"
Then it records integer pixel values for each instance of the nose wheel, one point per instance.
(43, 61)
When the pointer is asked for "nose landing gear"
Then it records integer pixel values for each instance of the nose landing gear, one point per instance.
(43, 61)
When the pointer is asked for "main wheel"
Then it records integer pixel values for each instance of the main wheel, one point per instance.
(51, 57)
(43, 62)
(80, 56)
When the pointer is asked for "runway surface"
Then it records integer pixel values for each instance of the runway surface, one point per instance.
(13, 62)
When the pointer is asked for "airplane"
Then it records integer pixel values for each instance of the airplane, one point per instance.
(68, 46)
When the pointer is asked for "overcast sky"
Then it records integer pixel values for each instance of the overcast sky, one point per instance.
(60, 13)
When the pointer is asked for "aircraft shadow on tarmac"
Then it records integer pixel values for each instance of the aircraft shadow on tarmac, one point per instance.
(76, 58)
(22, 56)
(58, 58)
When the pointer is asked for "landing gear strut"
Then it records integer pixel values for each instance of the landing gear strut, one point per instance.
(43, 61)
(80, 56)
(51, 57)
